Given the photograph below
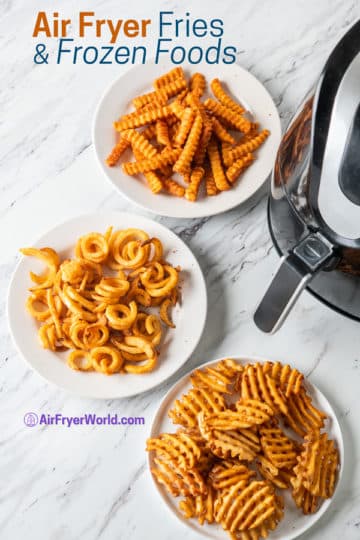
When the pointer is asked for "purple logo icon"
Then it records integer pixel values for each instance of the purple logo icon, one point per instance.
(31, 419)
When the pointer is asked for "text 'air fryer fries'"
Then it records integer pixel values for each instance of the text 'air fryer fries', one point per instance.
(208, 142)
(98, 304)
(234, 450)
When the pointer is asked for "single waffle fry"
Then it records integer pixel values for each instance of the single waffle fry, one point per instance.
(302, 416)
(117, 152)
(139, 142)
(228, 474)
(221, 132)
(139, 119)
(290, 380)
(255, 384)
(278, 448)
(305, 501)
(162, 133)
(192, 190)
(240, 510)
(243, 443)
(159, 97)
(172, 75)
(175, 446)
(186, 410)
(182, 165)
(200, 506)
(216, 166)
(318, 464)
(173, 187)
(197, 84)
(269, 472)
(250, 146)
(253, 411)
(212, 378)
(187, 120)
(178, 481)
(224, 97)
(135, 167)
(224, 113)
(238, 167)
(262, 531)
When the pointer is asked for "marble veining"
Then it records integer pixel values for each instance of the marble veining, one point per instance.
(92, 483)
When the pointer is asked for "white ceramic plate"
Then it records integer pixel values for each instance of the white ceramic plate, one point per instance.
(178, 343)
(294, 522)
(117, 100)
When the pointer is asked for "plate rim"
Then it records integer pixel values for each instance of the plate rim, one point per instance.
(11, 289)
(251, 358)
(167, 213)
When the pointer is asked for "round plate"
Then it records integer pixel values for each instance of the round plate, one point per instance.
(178, 343)
(294, 522)
(245, 87)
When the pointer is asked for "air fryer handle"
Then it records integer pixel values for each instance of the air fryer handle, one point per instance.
(289, 281)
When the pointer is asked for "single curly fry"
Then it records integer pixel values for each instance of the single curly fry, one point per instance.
(107, 360)
(92, 247)
(51, 259)
(80, 361)
(164, 313)
(121, 317)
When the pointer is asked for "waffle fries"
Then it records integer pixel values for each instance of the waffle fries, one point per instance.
(174, 130)
(95, 304)
(233, 456)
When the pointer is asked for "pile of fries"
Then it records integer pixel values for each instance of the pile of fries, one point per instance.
(231, 457)
(96, 304)
(173, 131)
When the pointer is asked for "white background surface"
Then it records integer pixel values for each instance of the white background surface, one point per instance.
(91, 482)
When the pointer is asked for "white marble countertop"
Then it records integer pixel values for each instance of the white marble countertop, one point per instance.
(91, 482)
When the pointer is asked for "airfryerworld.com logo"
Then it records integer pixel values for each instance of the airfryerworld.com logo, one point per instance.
(32, 419)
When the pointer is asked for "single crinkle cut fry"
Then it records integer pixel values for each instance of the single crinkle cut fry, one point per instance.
(183, 163)
(117, 152)
(139, 142)
(224, 113)
(207, 130)
(234, 171)
(192, 190)
(187, 120)
(159, 96)
(224, 97)
(172, 88)
(172, 75)
(221, 132)
(135, 167)
(173, 187)
(210, 184)
(162, 133)
(249, 146)
(216, 166)
(152, 178)
(139, 119)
